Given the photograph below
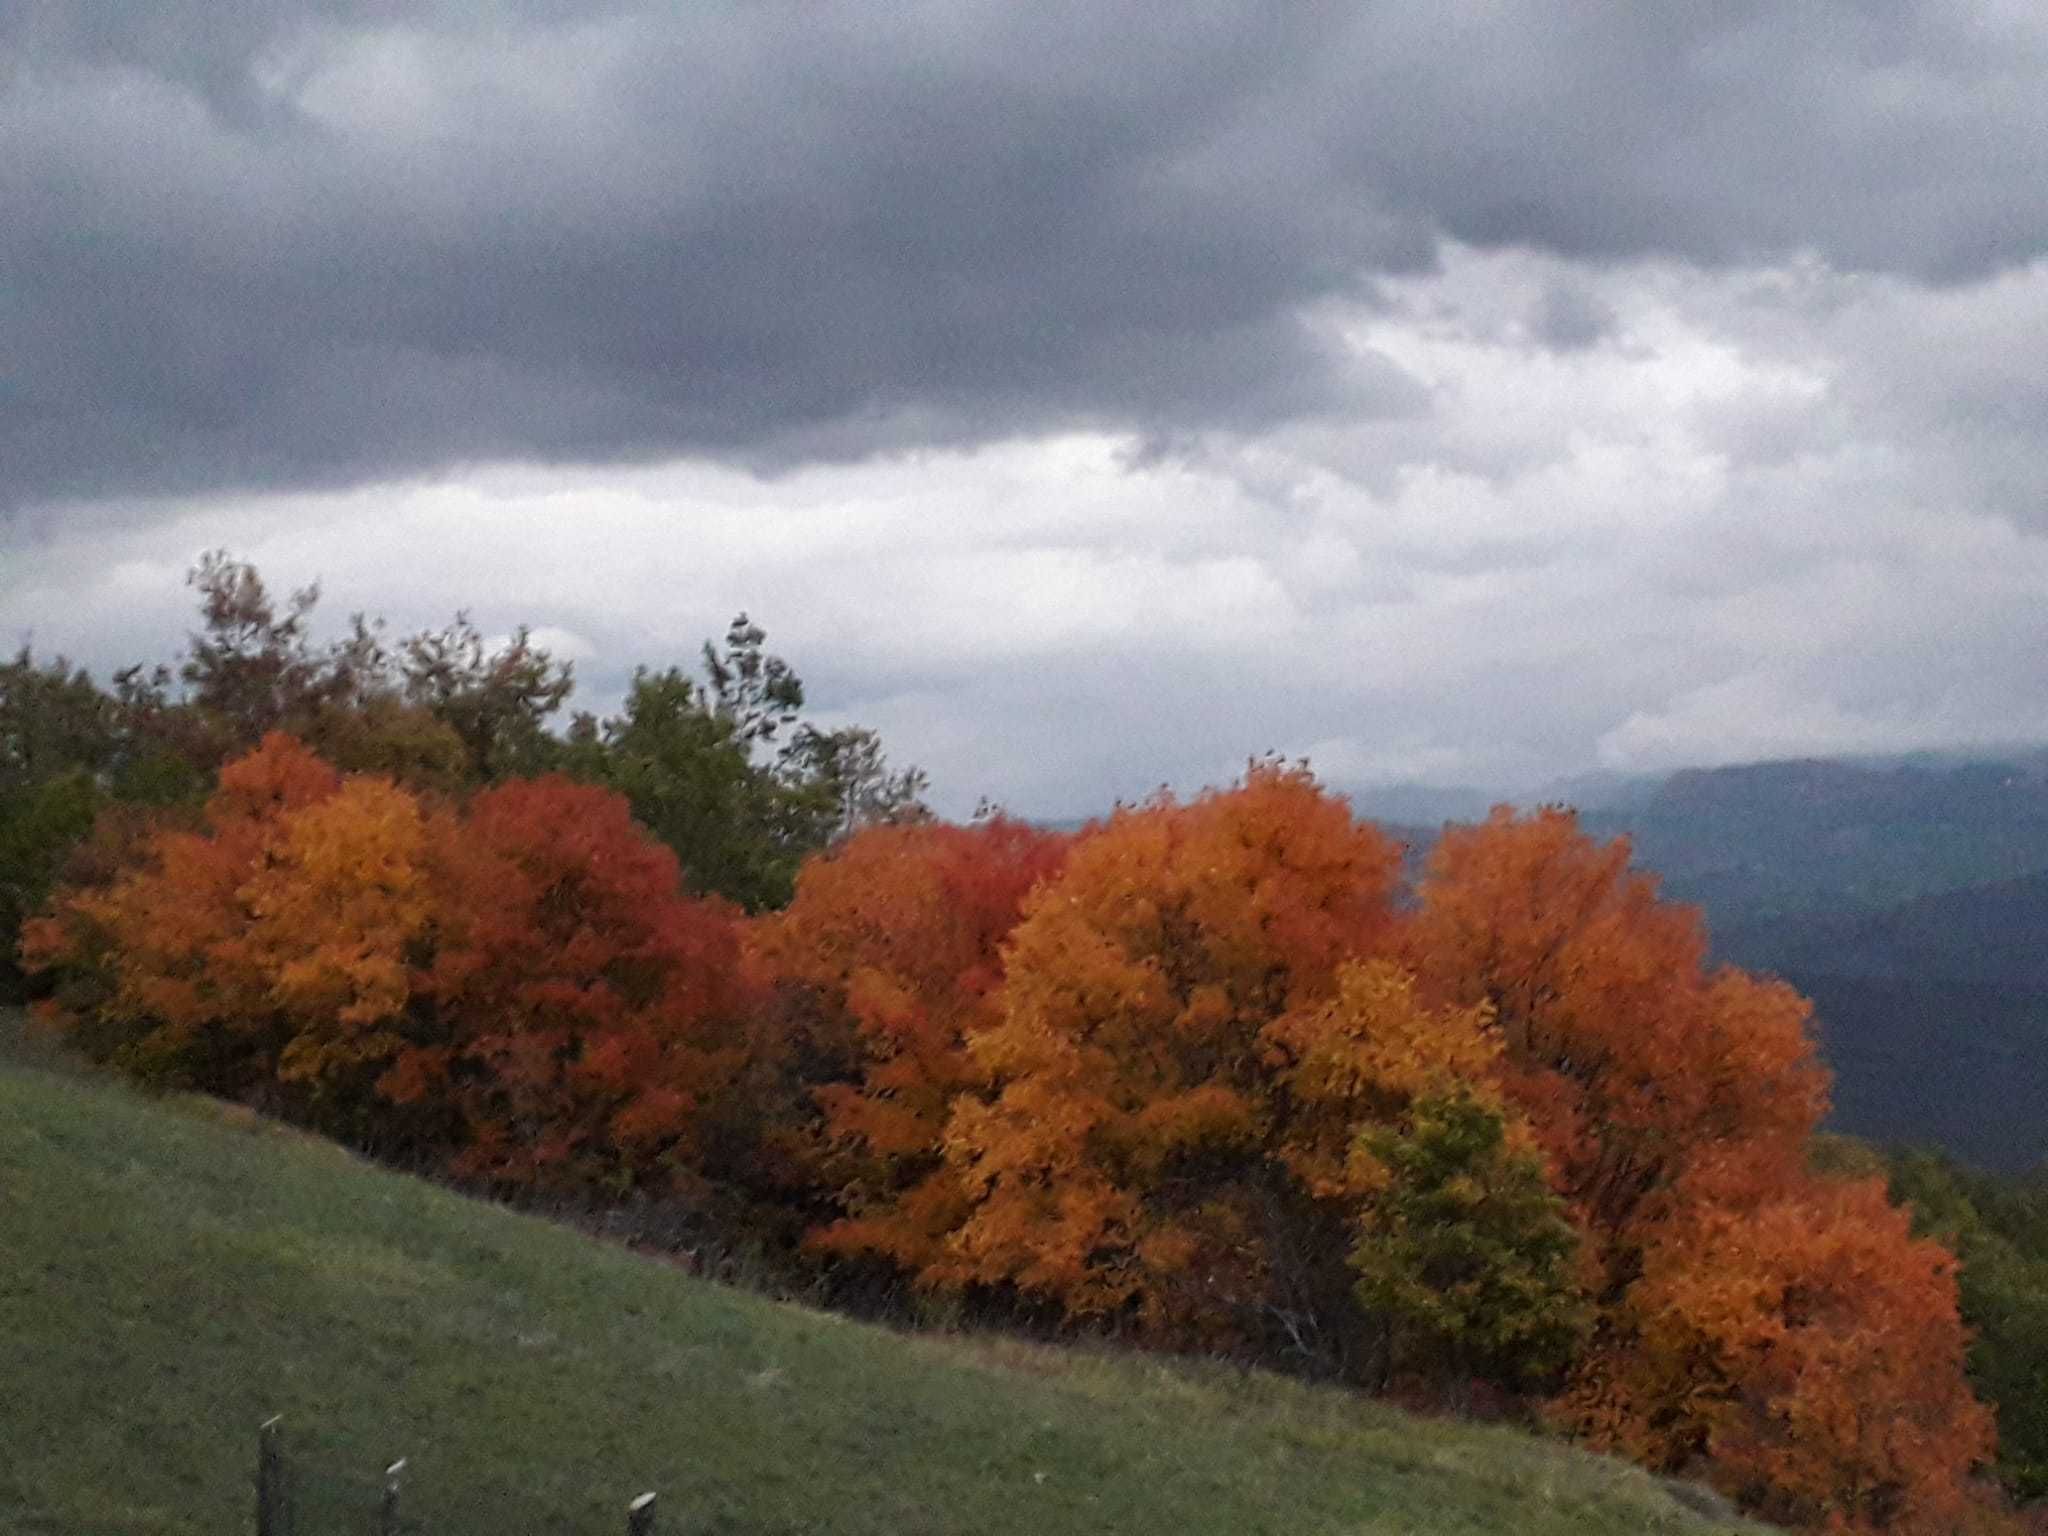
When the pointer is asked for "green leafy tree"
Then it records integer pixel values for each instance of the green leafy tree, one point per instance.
(39, 825)
(852, 781)
(62, 740)
(686, 769)
(728, 776)
(497, 700)
(251, 667)
(53, 720)
(834, 782)
(1464, 1250)
(441, 707)
(385, 735)
(758, 693)
(1998, 1227)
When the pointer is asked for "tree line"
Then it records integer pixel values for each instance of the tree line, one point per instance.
(1210, 1074)
(720, 764)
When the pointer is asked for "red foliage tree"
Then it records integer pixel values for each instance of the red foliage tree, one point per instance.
(580, 1010)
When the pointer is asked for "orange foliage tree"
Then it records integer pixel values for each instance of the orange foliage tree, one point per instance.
(889, 959)
(1807, 1354)
(335, 916)
(1639, 1069)
(161, 964)
(524, 984)
(1133, 1162)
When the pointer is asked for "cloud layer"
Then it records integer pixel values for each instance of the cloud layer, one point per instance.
(272, 243)
(1480, 392)
(1731, 526)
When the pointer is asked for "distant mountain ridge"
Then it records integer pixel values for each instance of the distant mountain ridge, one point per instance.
(1772, 839)
(1985, 935)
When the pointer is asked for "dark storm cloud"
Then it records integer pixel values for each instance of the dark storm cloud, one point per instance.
(254, 243)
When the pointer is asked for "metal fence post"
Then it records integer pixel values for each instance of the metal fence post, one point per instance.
(387, 1511)
(640, 1516)
(272, 1516)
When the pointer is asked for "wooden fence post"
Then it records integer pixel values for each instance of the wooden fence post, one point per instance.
(273, 1517)
(387, 1512)
(640, 1516)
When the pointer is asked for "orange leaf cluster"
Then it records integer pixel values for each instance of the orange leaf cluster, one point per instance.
(172, 949)
(1808, 1354)
(892, 948)
(1641, 1073)
(1132, 1157)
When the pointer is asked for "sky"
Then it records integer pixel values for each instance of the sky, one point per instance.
(1089, 397)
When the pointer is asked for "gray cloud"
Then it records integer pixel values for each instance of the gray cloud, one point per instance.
(1743, 523)
(261, 243)
(1569, 317)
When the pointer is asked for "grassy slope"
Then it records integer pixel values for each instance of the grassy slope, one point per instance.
(171, 1273)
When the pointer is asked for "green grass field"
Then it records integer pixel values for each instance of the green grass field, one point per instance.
(173, 1272)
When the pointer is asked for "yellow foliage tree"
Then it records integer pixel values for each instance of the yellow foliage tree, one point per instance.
(340, 900)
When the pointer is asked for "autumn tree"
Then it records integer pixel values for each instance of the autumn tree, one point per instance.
(1808, 1355)
(1639, 1068)
(336, 914)
(1751, 1318)
(1132, 1162)
(581, 1011)
(524, 985)
(887, 961)
(160, 974)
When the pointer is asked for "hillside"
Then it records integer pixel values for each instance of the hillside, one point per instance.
(1983, 935)
(174, 1272)
(1933, 1014)
(1765, 840)
(1935, 1062)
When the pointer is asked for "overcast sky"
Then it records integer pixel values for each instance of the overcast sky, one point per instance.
(1087, 395)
